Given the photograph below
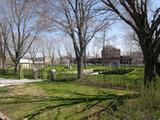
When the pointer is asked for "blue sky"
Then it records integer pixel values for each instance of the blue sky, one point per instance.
(119, 30)
(115, 36)
(116, 33)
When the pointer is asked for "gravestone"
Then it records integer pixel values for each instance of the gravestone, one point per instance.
(20, 75)
(35, 73)
(69, 66)
(53, 74)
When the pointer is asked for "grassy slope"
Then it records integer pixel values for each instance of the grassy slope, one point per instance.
(146, 107)
(17, 102)
(133, 79)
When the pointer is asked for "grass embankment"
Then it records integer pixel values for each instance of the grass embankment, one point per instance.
(55, 100)
(145, 107)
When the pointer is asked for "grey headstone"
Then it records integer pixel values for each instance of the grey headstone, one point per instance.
(53, 74)
(35, 76)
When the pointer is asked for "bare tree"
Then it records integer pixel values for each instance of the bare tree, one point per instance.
(130, 43)
(100, 43)
(42, 44)
(69, 51)
(146, 24)
(3, 50)
(23, 28)
(43, 51)
(33, 51)
(85, 59)
(81, 21)
(52, 55)
(97, 46)
(60, 56)
(51, 51)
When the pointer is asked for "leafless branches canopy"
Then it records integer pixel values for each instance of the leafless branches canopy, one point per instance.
(146, 24)
(3, 50)
(81, 20)
(20, 21)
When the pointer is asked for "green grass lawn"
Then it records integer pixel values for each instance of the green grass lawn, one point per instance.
(55, 100)
(95, 97)
(130, 80)
(133, 79)
(3, 90)
(69, 99)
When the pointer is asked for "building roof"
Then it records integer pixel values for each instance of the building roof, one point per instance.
(25, 61)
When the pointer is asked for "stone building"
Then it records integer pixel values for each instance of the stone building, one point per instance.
(111, 55)
(42, 60)
(125, 60)
(137, 58)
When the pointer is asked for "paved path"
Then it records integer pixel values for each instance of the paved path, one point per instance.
(8, 82)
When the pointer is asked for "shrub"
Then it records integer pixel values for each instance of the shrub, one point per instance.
(27, 73)
(9, 72)
(120, 71)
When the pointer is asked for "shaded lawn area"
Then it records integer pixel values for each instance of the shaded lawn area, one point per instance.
(55, 100)
(7, 76)
(3, 90)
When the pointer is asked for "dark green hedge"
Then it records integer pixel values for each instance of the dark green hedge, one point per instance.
(115, 71)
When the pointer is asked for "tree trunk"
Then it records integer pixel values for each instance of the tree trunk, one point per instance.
(80, 67)
(149, 69)
(52, 62)
(0, 62)
(70, 64)
(61, 61)
(85, 59)
(33, 62)
(85, 62)
(15, 69)
(3, 66)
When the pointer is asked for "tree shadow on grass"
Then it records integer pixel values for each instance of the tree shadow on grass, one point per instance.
(62, 80)
(92, 101)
